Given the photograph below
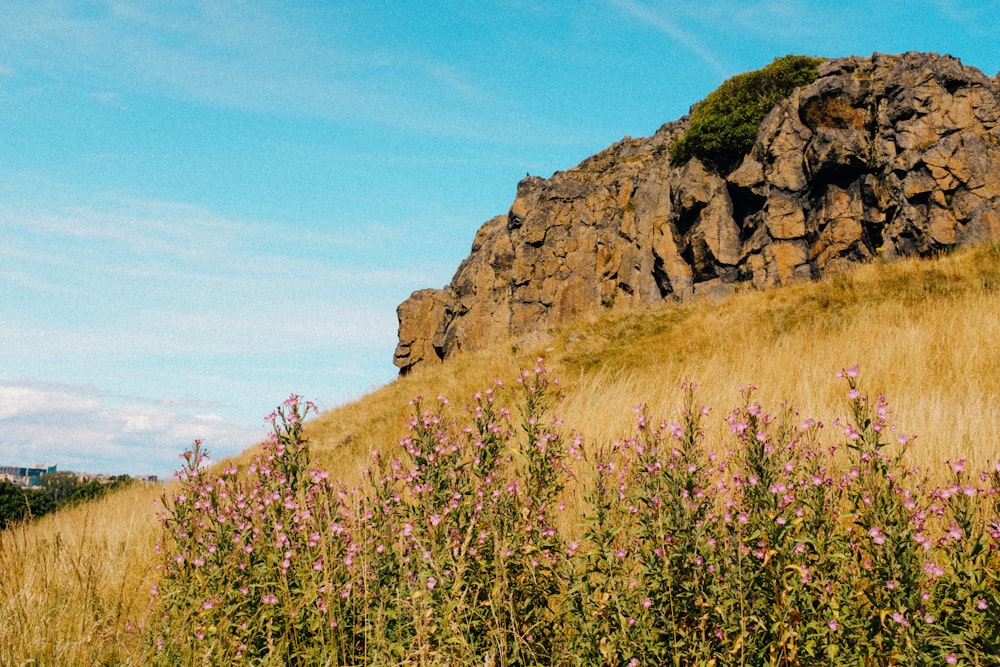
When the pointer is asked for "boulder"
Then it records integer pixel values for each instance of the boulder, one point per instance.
(419, 314)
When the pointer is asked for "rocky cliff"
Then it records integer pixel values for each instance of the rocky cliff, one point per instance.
(886, 155)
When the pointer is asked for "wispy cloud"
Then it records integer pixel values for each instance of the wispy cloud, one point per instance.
(772, 20)
(111, 99)
(153, 277)
(22, 401)
(660, 22)
(257, 58)
(978, 18)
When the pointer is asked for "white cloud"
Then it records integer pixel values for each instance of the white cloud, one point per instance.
(70, 428)
(169, 252)
(135, 238)
(977, 17)
(23, 401)
(111, 99)
(143, 421)
(774, 20)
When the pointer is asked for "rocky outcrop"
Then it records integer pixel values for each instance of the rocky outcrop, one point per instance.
(887, 155)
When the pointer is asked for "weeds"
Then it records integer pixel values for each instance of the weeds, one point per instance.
(785, 543)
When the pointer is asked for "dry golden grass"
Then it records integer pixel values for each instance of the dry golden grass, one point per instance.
(926, 333)
(73, 582)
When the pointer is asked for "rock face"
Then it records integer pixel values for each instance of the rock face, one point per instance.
(887, 155)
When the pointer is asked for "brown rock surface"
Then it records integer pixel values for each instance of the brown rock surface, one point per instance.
(889, 154)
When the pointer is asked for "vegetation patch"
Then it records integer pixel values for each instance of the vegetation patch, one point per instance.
(783, 543)
(724, 125)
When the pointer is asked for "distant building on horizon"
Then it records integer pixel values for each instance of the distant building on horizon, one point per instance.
(28, 476)
(25, 475)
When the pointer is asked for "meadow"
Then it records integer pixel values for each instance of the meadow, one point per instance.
(805, 475)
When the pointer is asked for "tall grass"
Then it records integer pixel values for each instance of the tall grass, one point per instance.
(75, 584)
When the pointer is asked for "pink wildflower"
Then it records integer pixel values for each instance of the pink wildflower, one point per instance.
(955, 531)
(933, 569)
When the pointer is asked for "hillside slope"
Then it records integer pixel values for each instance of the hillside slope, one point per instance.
(74, 588)
(924, 331)
(500, 523)
(888, 155)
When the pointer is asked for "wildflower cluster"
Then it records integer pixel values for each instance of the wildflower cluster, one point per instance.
(261, 563)
(464, 523)
(788, 542)
(778, 549)
(449, 551)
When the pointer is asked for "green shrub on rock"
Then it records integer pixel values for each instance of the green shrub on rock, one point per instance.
(724, 125)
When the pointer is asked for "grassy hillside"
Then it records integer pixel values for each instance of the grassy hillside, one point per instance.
(924, 332)
(74, 587)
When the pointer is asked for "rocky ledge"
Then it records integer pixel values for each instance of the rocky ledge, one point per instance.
(887, 155)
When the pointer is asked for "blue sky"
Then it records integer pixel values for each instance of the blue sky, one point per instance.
(207, 206)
